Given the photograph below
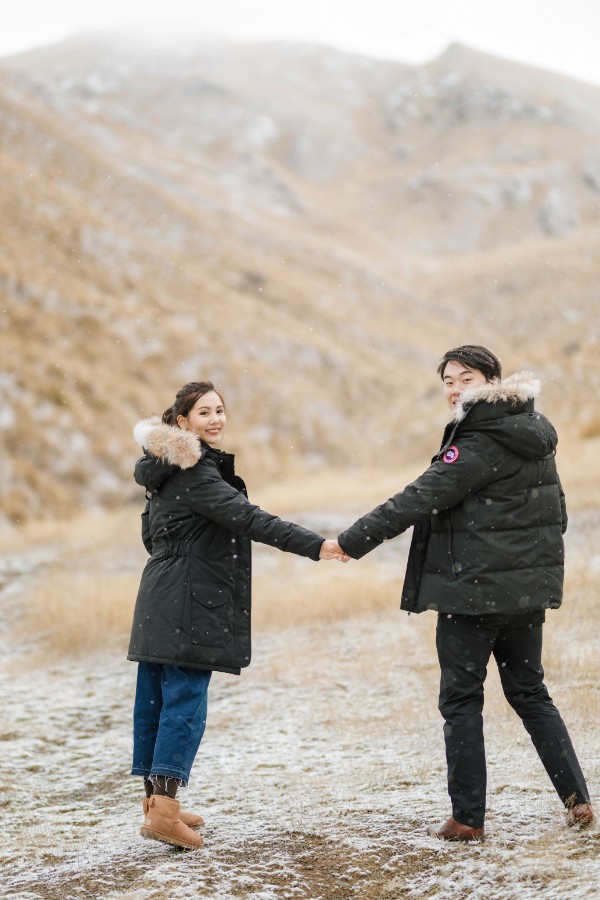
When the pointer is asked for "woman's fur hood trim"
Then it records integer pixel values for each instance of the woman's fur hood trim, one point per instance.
(168, 442)
(516, 388)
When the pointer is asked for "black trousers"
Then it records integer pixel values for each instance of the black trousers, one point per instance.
(464, 645)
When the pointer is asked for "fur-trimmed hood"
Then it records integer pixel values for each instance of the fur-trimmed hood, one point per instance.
(504, 411)
(168, 443)
(517, 388)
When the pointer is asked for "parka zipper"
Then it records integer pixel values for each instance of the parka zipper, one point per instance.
(451, 546)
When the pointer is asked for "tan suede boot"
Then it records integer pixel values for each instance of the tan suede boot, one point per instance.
(162, 823)
(188, 818)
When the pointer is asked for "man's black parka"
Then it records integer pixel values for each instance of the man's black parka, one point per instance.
(488, 514)
(193, 606)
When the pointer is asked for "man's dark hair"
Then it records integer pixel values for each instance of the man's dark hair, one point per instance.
(474, 357)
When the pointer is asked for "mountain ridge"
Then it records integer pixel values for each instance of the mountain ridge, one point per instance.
(304, 236)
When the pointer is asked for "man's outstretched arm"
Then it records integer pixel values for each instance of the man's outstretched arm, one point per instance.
(443, 485)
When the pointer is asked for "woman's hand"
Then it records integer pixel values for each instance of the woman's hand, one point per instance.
(332, 550)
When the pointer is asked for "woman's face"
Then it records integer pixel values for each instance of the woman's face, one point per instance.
(457, 378)
(206, 418)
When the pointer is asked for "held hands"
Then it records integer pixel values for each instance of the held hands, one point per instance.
(332, 550)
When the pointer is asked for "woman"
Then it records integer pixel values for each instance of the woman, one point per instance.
(192, 614)
(487, 556)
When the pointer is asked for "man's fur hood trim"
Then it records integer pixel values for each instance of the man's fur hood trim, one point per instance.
(516, 388)
(168, 442)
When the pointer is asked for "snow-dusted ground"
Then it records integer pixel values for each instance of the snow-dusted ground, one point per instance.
(320, 770)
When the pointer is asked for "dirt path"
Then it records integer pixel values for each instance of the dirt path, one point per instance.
(320, 769)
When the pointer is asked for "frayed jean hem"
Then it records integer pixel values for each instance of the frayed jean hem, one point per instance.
(179, 775)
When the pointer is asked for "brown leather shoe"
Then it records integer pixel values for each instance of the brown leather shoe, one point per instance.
(162, 823)
(188, 818)
(581, 815)
(452, 830)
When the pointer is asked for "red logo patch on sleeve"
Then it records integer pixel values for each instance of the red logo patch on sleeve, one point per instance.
(451, 454)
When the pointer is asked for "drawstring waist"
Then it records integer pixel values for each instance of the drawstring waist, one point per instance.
(171, 552)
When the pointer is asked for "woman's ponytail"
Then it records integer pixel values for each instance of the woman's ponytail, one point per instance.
(169, 416)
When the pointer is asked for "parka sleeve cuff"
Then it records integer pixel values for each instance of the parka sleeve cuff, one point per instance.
(356, 549)
(315, 550)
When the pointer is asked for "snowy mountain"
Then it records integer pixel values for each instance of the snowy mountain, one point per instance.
(308, 227)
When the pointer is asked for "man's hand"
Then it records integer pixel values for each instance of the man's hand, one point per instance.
(332, 550)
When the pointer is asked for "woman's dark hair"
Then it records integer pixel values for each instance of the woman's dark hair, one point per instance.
(186, 398)
(474, 357)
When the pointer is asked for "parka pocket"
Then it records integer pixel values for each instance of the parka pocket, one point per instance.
(212, 614)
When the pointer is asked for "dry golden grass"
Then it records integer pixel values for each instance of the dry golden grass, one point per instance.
(79, 613)
(577, 460)
(73, 613)
(570, 646)
(318, 597)
(302, 318)
(335, 489)
(89, 531)
(84, 598)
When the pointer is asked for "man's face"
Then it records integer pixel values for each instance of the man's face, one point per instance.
(457, 378)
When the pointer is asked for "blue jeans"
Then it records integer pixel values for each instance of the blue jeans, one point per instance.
(169, 718)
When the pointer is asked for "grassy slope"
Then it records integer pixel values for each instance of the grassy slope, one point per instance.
(155, 235)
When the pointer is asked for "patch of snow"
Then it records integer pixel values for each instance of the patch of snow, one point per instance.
(320, 769)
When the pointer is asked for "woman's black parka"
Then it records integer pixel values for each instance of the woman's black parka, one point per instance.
(488, 514)
(193, 605)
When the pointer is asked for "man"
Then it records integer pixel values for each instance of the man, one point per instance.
(487, 556)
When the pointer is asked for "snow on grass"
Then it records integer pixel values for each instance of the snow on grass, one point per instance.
(320, 770)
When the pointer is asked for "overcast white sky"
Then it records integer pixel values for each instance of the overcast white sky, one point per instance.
(555, 34)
